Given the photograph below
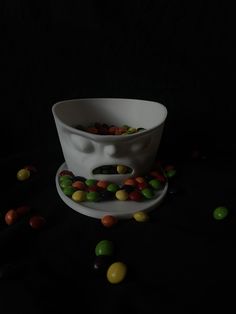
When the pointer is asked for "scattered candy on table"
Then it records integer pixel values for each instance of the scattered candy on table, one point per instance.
(80, 189)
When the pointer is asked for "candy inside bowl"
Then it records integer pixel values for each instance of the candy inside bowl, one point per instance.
(108, 156)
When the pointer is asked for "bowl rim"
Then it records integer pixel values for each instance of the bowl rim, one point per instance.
(106, 138)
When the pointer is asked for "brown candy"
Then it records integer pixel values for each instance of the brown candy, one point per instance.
(37, 222)
(11, 217)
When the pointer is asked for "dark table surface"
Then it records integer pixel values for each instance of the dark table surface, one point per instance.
(181, 259)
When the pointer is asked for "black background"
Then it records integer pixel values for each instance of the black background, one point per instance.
(179, 53)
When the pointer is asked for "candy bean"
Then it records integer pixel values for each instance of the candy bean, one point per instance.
(37, 222)
(92, 196)
(102, 184)
(156, 184)
(79, 185)
(109, 220)
(104, 247)
(11, 217)
(116, 272)
(121, 169)
(112, 187)
(65, 177)
(135, 196)
(90, 182)
(66, 172)
(65, 183)
(79, 196)
(122, 195)
(220, 212)
(69, 190)
(23, 174)
(147, 193)
(141, 216)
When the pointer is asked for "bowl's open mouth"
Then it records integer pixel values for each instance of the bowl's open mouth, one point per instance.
(112, 170)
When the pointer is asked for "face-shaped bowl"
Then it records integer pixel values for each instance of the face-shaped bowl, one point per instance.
(85, 153)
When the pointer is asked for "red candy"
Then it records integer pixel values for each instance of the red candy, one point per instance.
(37, 222)
(135, 196)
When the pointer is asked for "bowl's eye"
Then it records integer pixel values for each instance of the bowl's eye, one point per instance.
(82, 144)
(141, 145)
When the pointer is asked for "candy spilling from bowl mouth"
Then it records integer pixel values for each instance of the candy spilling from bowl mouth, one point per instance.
(112, 169)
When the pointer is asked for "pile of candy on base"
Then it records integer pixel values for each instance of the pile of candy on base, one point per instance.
(139, 188)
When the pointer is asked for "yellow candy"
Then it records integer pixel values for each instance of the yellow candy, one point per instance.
(79, 196)
(122, 195)
(116, 272)
(141, 216)
(23, 174)
(121, 169)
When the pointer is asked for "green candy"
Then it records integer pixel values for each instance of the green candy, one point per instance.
(92, 196)
(220, 212)
(170, 173)
(104, 247)
(90, 182)
(112, 187)
(147, 193)
(69, 190)
(65, 183)
(65, 177)
(156, 184)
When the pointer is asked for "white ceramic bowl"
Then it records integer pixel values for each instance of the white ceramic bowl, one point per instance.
(84, 152)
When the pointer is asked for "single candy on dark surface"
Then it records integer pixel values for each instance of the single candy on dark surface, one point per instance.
(108, 221)
(116, 272)
(220, 212)
(23, 174)
(11, 217)
(104, 247)
(37, 222)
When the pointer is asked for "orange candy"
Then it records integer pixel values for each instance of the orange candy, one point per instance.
(140, 179)
(130, 182)
(109, 220)
(79, 185)
(102, 184)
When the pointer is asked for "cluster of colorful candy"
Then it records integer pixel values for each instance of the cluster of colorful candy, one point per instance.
(14, 215)
(139, 188)
(105, 129)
